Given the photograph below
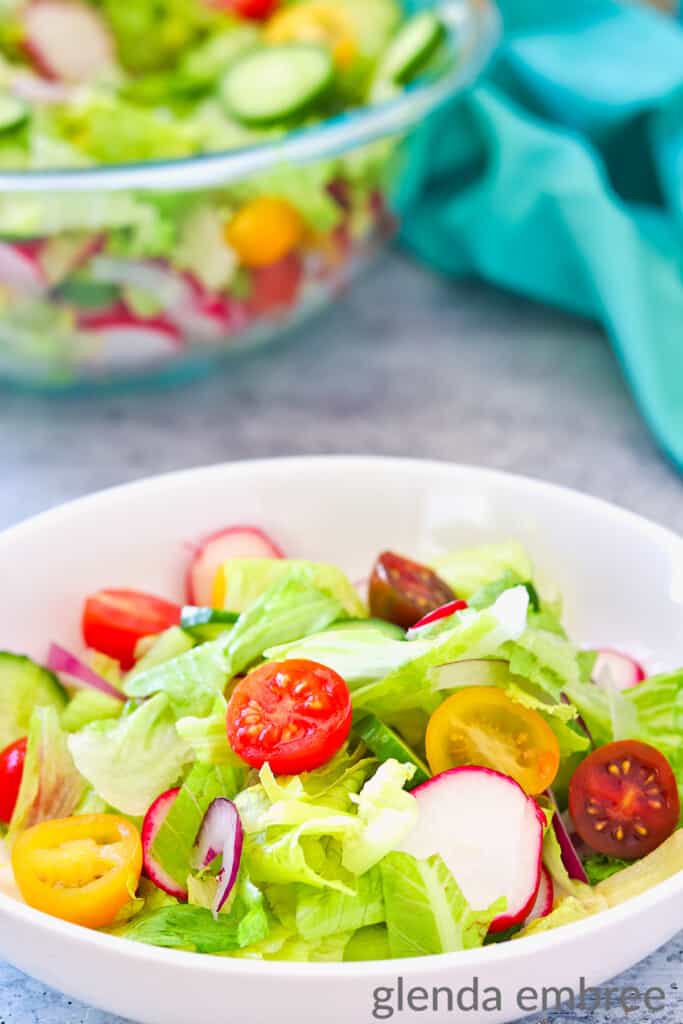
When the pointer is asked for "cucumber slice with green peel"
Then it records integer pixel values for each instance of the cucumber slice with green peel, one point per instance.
(13, 112)
(412, 48)
(385, 744)
(206, 623)
(87, 294)
(24, 685)
(275, 84)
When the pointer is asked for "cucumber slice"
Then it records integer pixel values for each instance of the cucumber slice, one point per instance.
(13, 112)
(23, 686)
(273, 84)
(388, 629)
(413, 47)
(206, 623)
(88, 294)
(385, 744)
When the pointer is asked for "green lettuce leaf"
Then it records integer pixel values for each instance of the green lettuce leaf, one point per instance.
(426, 912)
(133, 759)
(191, 681)
(51, 786)
(246, 579)
(470, 569)
(304, 186)
(153, 651)
(207, 736)
(174, 842)
(386, 813)
(89, 706)
(292, 607)
(197, 930)
(599, 867)
(323, 912)
(370, 943)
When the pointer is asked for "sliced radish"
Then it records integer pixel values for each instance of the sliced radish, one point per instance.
(617, 669)
(444, 612)
(36, 90)
(488, 832)
(20, 267)
(220, 833)
(129, 340)
(545, 897)
(219, 547)
(153, 821)
(67, 40)
(208, 316)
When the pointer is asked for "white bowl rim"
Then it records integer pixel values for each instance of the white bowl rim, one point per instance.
(504, 952)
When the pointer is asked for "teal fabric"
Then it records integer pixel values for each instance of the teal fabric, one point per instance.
(561, 177)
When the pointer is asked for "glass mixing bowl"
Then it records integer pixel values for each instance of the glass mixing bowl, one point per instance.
(79, 307)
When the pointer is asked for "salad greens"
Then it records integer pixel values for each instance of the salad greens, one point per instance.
(331, 854)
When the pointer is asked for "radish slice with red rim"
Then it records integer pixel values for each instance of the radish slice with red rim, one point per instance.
(488, 832)
(20, 267)
(67, 40)
(545, 897)
(220, 833)
(220, 547)
(612, 668)
(153, 821)
(444, 612)
(64, 663)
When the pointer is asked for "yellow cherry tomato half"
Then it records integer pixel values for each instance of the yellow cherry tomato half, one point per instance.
(481, 725)
(82, 869)
(264, 231)
(316, 22)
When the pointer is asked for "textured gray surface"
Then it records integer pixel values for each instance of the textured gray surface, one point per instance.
(407, 364)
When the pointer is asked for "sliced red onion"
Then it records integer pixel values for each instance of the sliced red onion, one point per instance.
(570, 857)
(64, 663)
(220, 833)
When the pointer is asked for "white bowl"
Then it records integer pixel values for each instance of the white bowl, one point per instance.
(622, 578)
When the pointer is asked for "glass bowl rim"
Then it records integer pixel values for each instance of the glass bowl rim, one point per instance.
(478, 23)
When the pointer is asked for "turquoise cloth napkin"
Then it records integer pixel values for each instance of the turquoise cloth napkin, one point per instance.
(561, 177)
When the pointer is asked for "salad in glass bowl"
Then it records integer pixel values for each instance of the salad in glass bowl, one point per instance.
(294, 767)
(186, 177)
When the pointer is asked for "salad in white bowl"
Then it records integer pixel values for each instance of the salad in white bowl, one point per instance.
(294, 767)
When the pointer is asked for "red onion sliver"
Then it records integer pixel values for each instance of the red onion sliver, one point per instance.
(570, 857)
(64, 663)
(220, 833)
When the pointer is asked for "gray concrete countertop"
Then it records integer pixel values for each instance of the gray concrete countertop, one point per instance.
(408, 363)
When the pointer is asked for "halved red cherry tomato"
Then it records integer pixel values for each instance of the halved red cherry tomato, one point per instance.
(444, 612)
(255, 10)
(114, 621)
(11, 771)
(623, 799)
(293, 714)
(275, 287)
(83, 869)
(404, 592)
(481, 725)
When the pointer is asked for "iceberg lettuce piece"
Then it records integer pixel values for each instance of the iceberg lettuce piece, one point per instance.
(323, 912)
(207, 736)
(191, 681)
(131, 760)
(51, 786)
(469, 569)
(241, 581)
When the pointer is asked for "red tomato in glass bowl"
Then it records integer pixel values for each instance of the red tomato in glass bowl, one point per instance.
(114, 621)
(293, 714)
(276, 287)
(11, 772)
(254, 10)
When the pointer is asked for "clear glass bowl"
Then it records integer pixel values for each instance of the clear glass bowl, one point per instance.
(81, 308)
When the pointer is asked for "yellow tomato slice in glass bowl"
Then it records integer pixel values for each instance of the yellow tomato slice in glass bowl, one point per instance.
(82, 869)
(481, 725)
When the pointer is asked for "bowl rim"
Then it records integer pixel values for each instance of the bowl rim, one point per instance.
(374, 969)
(476, 22)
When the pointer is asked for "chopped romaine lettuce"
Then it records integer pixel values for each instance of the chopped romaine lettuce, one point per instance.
(470, 569)
(426, 912)
(207, 736)
(51, 786)
(133, 759)
(241, 581)
(191, 681)
(322, 912)
(89, 706)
